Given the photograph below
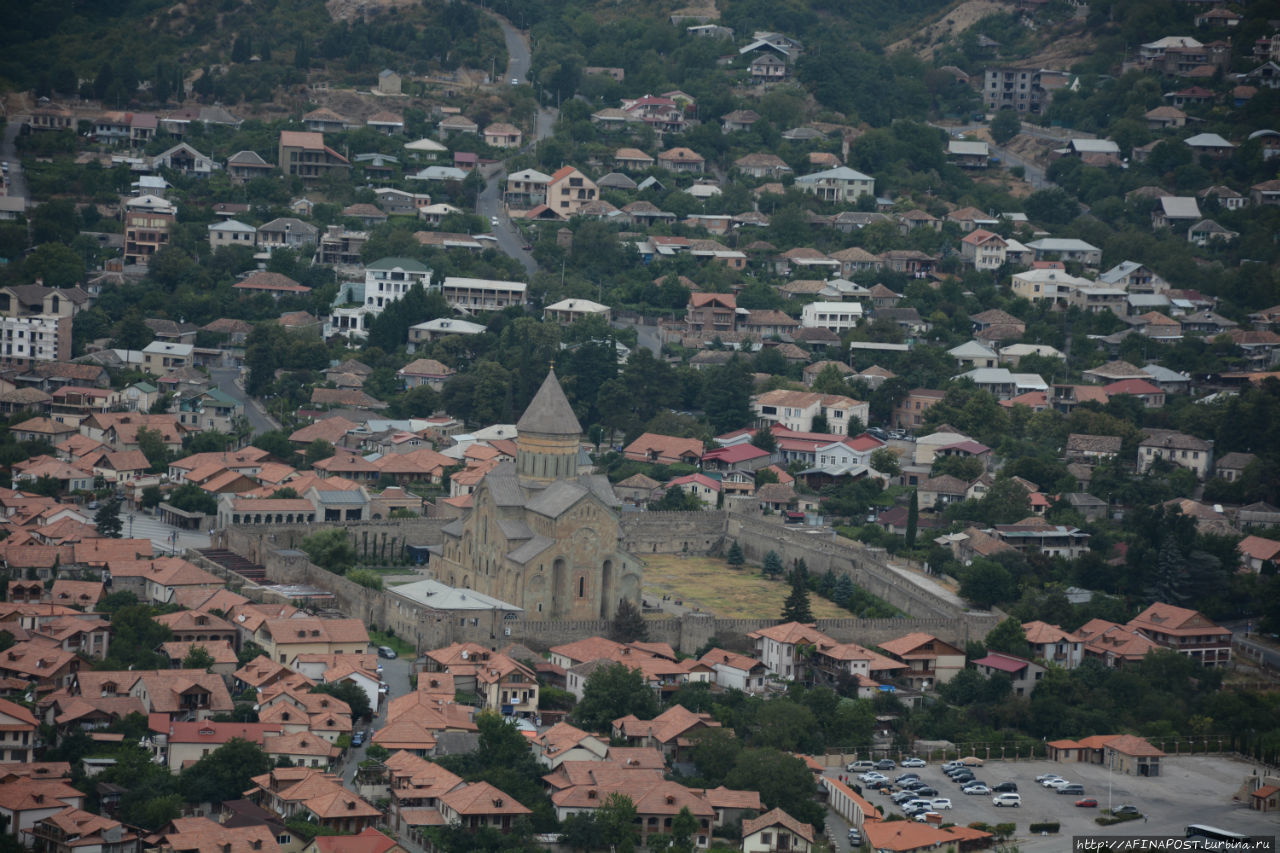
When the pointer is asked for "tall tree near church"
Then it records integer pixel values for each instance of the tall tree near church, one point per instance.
(796, 608)
(913, 518)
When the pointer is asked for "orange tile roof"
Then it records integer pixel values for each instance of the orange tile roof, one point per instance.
(481, 798)
(777, 817)
(792, 633)
(900, 836)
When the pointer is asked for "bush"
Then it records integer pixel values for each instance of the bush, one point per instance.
(1037, 828)
(365, 578)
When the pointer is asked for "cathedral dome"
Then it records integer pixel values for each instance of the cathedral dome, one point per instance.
(548, 435)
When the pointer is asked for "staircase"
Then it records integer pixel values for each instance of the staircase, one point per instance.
(233, 562)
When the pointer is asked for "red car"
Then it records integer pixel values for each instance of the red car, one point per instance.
(1087, 803)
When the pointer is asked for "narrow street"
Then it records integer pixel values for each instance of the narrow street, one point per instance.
(227, 381)
(9, 154)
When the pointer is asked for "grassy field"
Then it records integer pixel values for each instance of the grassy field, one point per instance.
(712, 585)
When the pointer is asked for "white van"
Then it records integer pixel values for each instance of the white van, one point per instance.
(860, 766)
(1007, 799)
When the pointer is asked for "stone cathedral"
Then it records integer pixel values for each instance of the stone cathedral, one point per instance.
(539, 534)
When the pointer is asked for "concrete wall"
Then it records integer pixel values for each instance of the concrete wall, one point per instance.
(821, 550)
(672, 532)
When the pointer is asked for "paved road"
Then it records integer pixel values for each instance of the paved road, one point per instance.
(510, 240)
(519, 58)
(226, 378)
(396, 675)
(9, 153)
(1243, 633)
(646, 336)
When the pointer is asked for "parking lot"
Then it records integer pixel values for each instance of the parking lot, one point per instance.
(1190, 790)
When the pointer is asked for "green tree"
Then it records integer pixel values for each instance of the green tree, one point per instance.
(676, 499)
(191, 498)
(351, 693)
(987, 583)
(628, 624)
(316, 451)
(796, 608)
(1005, 126)
(681, 839)
(886, 461)
(735, 556)
(107, 520)
(715, 752)
(330, 550)
(223, 774)
(151, 443)
(611, 692)
(198, 657)
(783, 781)
(1008, 637)
(772, 564)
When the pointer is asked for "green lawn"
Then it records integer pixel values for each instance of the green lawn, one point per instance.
(713, 585)
(401, 647)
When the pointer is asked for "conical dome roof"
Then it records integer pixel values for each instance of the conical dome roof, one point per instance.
(549, 413)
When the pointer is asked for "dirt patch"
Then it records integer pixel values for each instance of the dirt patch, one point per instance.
(926, 42)
(714, 587)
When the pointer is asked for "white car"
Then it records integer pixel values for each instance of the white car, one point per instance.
(925, 817)
(1055, 783)
(915, 762)
(873, 777)
(1006, 799)
(515, 81)
(493, 220)
(940, 803)
(1043, 777)
(975, 789)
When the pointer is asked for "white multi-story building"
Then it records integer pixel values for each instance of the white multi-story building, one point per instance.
(386, 281)
(35, 322)
(838, 317)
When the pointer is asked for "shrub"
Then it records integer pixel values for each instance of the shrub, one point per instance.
(1037, 828)
(365, 578)
(1111, 820)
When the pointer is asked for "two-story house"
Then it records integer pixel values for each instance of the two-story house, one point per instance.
(569, 191)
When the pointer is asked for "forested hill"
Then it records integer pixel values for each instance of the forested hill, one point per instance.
(107, 49)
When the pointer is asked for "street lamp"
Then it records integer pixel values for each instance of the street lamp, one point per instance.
(130, 525)
(173, 544)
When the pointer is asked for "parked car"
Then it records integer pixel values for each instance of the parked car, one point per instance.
(879, 784)
(1043, 776)
(926, 792)
(914, 762)
(1000, 800)
(1087, 803)
(855, 766)
(928, 817)
(876, 432)
(873, 776)
(855, 837)
(1125, 809)
(906, 777)
(885, 764)
(971, 761)
(1005, 787)
(1076, 789)
(950, 765)
(941, 803)
(975, 789)
(903, 797)
(1055, 783)
(357, 739)
(387, 652)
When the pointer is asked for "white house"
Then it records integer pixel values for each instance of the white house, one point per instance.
(841, 184)
(838, 317)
